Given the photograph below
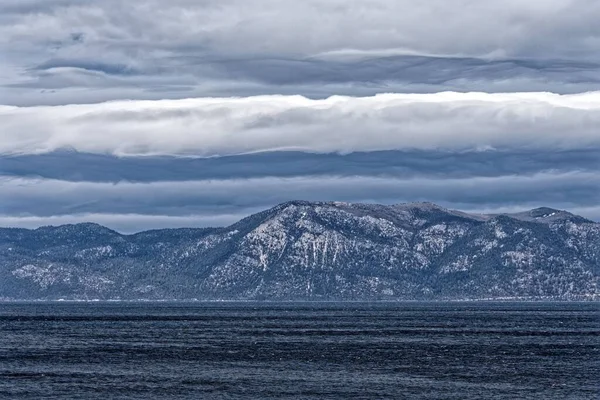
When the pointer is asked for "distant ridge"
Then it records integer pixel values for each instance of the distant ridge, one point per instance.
(314, 251)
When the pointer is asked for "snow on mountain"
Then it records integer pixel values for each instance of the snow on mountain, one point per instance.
(314, 250)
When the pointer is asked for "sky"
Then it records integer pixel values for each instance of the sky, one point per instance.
(151, 114)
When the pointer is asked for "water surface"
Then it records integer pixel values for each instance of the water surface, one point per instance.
(300, 350)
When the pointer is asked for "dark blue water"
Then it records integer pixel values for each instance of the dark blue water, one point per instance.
(300, 350)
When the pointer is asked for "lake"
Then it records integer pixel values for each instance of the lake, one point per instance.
(220, 350)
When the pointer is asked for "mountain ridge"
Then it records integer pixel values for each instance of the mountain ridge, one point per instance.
(532, 214)
(314, 250)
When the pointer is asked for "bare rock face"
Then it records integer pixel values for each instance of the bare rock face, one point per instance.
(307, 250)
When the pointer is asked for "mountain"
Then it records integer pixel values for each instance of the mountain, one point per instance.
(314, 250)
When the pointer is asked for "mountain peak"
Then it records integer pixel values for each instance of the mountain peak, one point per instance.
(547, 215)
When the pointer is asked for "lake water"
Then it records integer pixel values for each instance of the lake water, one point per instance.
(300, 350)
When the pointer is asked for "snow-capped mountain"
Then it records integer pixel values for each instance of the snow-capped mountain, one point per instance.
(314, 250)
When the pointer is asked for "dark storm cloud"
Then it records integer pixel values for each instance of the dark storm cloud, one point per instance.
(441, 72)
(427, 71)
(83, 167)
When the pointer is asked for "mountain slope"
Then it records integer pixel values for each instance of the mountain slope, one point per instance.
(308, 250)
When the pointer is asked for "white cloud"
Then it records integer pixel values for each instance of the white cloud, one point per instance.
(222, 126)
(506, 28)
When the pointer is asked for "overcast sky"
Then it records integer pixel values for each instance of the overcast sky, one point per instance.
(148, 114)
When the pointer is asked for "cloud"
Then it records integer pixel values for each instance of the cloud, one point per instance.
(86, 167)
(228, 106)
(67, 51)
(26, 197)
(227, 126)
(547, 28)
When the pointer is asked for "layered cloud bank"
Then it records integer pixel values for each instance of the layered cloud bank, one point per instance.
(51, 197)
(159, 114)
(86, 167)
(210, 127)
(132, 164)
(72, 51)
(510, 28)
